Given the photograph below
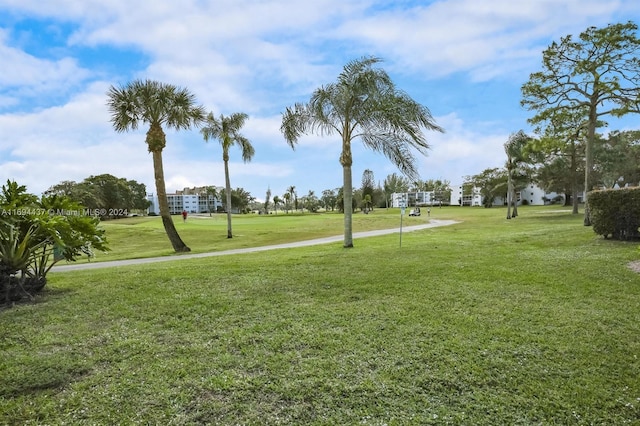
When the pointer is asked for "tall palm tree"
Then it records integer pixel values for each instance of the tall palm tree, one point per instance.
(291, 191)
(514, 148)
(211, 193)
(156, 104)
(287, 201)
(363, 103)
(276, 202)
(227, 131)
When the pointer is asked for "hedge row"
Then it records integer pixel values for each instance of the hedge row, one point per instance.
(615, 213)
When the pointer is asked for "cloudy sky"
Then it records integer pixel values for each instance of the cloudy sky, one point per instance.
(464, 59)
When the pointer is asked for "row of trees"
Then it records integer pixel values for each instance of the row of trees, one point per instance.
(363, 103)
(104, 193)
(557, 165)
(367, 197)
(159, 106)
(583, 81)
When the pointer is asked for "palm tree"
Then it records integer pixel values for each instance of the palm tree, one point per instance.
(227, 131)
(287, 201)
(291, 191)
(363, 103)
(514, 148)
(276, 202)
(211, 193)
(156, 104)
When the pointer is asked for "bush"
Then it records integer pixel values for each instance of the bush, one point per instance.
(615, 213)
(37, 233)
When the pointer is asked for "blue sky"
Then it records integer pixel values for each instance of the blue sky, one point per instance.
(464, 59)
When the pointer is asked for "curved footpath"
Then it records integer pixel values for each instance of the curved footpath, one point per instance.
(125, 262)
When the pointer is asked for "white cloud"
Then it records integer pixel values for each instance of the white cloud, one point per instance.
(25, 76)
(259, 57)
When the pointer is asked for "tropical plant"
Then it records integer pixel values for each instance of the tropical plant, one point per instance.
(276, 202)
(291, 197)
(364, 104)
(287, 202)
(227, 131)
(157, 105)
(514, 148)
(267, 199)
(36, 234)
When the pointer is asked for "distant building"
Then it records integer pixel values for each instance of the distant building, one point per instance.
(193, 200)
(465, 196)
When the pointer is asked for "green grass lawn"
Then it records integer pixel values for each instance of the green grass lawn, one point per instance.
(140, 237)
(529, 321)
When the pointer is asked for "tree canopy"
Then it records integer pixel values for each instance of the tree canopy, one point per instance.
(596, 75)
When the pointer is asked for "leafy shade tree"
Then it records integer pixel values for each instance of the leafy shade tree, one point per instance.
(105, 192)
(395, 184)
(311, 202)
(158, 105)
(492, 183)
(241, 200)
(599, 73)
(329, 199)
(441, 189)
(618, 159)
(560, 152)
(363, 103)
(516, 156)
(227, 131)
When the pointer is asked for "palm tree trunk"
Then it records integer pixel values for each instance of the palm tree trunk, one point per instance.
(227, 183)
(347, 194)
(167, 221)
(509, 197)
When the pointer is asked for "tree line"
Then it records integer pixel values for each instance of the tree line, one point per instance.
(583, 81)
(363, 103)
(105, 194)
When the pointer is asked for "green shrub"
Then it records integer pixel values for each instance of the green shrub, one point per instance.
(615, 213)
(37, 233)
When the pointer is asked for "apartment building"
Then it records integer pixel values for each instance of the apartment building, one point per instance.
(465, 196)
(193, 200)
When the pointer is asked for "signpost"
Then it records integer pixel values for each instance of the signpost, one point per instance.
(402, 208)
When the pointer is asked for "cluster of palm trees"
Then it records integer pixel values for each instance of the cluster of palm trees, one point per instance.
(362, 104)
(161, 105)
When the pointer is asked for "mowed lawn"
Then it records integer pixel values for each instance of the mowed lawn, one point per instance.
(535, 320)
(140, 237)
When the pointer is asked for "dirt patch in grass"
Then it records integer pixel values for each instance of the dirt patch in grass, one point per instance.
(634, 266)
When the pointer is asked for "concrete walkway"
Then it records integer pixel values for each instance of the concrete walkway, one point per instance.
(326, 240)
